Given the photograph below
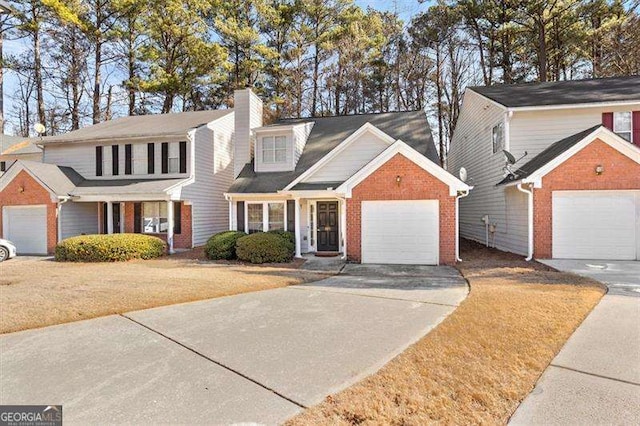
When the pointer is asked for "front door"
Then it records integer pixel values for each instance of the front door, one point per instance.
(327, 226)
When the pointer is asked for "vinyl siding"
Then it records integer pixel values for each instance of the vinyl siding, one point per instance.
(78, 219)
(213, 171)
(82, 158)
(300, 136)
(533, 131)
(248, 115)
(359, 153)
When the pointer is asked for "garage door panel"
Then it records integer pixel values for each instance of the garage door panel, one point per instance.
(400, 232)
(26, 227)
(596, 225)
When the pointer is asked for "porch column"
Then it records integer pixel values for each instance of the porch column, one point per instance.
(170, 221)
(297, 230)
(109, 217)
(343, 225)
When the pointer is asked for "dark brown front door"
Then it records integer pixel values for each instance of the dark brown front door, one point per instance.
(327, 226)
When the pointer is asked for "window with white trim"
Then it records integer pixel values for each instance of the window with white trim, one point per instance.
(154, 218)
(274, 149)
(139, 159)
(266, 216)
(174, 157)
(623, 125)
(497, 137)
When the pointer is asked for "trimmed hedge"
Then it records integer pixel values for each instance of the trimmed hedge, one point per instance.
(109, 248)
(265, 247)
(223, 245)
(287, 235)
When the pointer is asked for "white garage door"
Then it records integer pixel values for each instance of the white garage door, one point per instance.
(400, 232)
(26, 227)
(596, 225)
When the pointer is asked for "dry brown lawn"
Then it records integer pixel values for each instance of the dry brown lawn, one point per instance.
(37, 292)
(479, 363)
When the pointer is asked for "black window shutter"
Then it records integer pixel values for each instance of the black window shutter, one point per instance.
(183, 157)
(104, 218)
(240, 215)
(165, 158)
(98, 161)
(151, 158)
(127, 159)
(137, 218)
(3, 166)
(115, 160)
(291, 215)
(177, 217)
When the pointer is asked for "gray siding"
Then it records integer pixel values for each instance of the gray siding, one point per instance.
(78, 219)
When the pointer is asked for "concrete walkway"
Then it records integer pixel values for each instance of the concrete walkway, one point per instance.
(595, 379)
(257, 357)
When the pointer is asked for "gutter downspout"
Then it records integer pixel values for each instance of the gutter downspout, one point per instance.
(461, 194)
(61, 201)
(529, 193)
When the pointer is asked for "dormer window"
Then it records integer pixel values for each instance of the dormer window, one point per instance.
(274, 149)
(622, 125)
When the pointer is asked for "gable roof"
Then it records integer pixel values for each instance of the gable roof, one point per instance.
(327, 133)
(560, 149)
(10, 144)
(571, 92)
(125, 186)
(58, 180)
(141, 126)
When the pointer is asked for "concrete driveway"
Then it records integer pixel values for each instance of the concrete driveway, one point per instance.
(595, 379)
(257, 357)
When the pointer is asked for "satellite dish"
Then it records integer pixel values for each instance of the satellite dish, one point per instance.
(39, 128)
(463, 174)
(509, 157)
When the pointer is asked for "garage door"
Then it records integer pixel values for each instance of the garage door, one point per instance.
(596, 225)
(26, 227)
(400, 232)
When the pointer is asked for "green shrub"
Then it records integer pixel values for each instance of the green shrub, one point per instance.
(287, 235)
(109, 248)
(264, 247)
(223, 245)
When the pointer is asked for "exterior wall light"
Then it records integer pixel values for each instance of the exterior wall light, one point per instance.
(398, 180)
(21, 189)
(599, 169)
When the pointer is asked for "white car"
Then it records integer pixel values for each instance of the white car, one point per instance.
(7, 250)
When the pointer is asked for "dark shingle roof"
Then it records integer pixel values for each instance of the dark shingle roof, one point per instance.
(327, 133)
(615, 89)
(548, 155)
(59, 180)
(124, 186)
(11, 145)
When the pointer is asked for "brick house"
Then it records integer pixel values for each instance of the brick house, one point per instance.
(367, 187)
(573, 191)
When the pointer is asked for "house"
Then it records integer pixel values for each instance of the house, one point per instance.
(576, 193)
(13, 148)
(366, 186)
(162, 175)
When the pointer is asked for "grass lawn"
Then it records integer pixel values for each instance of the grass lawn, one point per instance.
(479, 363)
(38, 292)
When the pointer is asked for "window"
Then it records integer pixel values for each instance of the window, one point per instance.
(266, 217)
(174, 157)
(622, 125)
(154, 218)
(255, 218)
(3, 166)
(139, 159)
(497, 137)
(276, 216)
(274, 149)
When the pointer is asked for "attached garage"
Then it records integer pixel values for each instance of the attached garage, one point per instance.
(26, 227)
(596, 225)
(400, 232)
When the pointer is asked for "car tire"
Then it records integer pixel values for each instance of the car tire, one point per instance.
(4, 254)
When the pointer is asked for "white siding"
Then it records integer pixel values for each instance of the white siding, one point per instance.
(300, 135)
(471, 148)
(82, 158)
(359, 153)
(78, 219)
(213, 171)
(533, 131)
(248, 115)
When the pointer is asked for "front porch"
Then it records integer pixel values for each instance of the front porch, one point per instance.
(319, 221)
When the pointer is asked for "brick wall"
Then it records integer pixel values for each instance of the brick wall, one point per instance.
(416, 184)
(578, 173)
(182, 240)
(23, 190)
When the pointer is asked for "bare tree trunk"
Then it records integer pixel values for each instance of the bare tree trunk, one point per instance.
(316, 72)
(107, 111)
(97, 81)
(37, 63)
(439, 100)
(542, 52)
